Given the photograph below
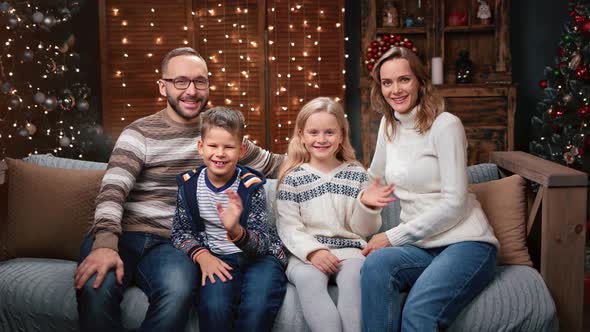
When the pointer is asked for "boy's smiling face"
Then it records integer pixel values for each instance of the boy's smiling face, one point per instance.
(221, 151)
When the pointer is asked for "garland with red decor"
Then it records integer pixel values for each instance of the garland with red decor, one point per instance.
(382, 44)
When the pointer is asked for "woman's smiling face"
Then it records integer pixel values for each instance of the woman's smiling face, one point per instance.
(399, 85)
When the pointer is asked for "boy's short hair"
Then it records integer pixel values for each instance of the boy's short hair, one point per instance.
(223, 117)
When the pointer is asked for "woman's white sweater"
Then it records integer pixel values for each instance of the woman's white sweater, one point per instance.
(430, 178)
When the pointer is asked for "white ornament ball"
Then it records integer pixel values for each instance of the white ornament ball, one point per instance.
(64, 141)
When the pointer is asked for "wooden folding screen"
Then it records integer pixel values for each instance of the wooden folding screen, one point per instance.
(265, 58)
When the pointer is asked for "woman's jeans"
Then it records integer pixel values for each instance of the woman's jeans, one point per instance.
(440, 282)
(249, 301)
(166, 275)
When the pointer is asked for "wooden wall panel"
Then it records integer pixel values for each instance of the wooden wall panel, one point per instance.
(131, 53)
(235, 38)
(237, 73)
(291, 36)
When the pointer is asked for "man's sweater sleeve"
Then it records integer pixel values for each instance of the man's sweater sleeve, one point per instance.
(451, 148)
(260, 159)
(125, 165)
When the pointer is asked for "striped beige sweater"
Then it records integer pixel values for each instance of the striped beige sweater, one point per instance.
(138, 191)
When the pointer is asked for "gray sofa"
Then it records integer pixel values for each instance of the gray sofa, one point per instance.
(36, 294)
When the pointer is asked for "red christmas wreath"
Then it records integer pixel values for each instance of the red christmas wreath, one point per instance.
(384, 43)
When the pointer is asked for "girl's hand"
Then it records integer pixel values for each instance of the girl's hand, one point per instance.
(377, 195)
(230, 216)
(378, 241)
(324, 261)
(212, 266)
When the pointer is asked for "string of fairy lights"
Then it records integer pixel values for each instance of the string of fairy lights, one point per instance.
(224, 40)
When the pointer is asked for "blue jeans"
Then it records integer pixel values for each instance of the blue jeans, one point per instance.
(441, 282)
(248, 302)
(166, 275)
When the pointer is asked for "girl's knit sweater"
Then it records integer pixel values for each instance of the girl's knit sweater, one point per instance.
(323, 211)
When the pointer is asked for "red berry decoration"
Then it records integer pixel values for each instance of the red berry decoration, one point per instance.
(543, 84)
(584, 111)
(382, 44)
(582, 73)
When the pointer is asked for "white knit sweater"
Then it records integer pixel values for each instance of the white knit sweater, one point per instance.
(430, 177)
(323, 211)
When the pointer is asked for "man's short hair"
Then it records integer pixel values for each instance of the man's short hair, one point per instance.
(178, 52)
(223, 117)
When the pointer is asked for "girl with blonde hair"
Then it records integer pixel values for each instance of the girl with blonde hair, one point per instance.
(326, 209)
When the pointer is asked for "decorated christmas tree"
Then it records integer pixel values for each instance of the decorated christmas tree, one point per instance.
(45, 104)
(561, 123)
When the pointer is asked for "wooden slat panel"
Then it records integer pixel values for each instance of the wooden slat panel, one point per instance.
(238, 20)
(300, 88)
(124, 19)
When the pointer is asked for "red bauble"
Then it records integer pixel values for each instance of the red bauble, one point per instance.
(585, 27)
(584, 111)
(582, 73)
(543, 84)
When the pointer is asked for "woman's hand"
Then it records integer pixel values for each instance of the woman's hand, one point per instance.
(377, 195)
(378, 241)
(324, 261)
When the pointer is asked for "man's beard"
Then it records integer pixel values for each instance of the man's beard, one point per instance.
(174, 104)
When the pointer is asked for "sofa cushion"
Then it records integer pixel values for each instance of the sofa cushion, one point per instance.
(49, 210)
(504, 203)
(38, 294)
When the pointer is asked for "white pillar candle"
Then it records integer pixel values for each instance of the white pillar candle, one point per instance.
(437, 70)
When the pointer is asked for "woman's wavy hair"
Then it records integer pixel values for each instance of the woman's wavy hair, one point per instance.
(430, 103)
(297, 154)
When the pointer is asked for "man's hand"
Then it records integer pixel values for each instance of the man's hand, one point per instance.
(212, 266)
(324, 261)
(230, 216)
(377, 195)
(100, 261)
(378, 241)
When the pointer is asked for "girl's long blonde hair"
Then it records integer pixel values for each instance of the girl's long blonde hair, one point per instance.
(430, 103)
(297, 154)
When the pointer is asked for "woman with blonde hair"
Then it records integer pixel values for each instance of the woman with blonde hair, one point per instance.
(325, 210)
(443, 252)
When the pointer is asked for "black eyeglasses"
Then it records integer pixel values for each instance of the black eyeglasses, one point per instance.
(182, 83)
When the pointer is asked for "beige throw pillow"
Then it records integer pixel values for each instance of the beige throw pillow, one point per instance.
(49, 210)
(504, 203)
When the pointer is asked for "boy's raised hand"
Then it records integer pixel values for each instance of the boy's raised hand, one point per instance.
(230, 216)
(212, 266)
(377, 195)
(324, 261)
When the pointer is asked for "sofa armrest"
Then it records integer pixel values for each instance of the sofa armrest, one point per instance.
(562, 197)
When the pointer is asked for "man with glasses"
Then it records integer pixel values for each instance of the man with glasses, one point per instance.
(129, 242)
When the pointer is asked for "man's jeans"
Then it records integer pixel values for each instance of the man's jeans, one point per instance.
(441, 282)
(166, 275)
(248, 302)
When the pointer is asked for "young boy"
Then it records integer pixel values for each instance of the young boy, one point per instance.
(221, 224)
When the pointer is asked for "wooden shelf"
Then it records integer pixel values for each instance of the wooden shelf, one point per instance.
(402, 31)
(487, 106)
(470, 28)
